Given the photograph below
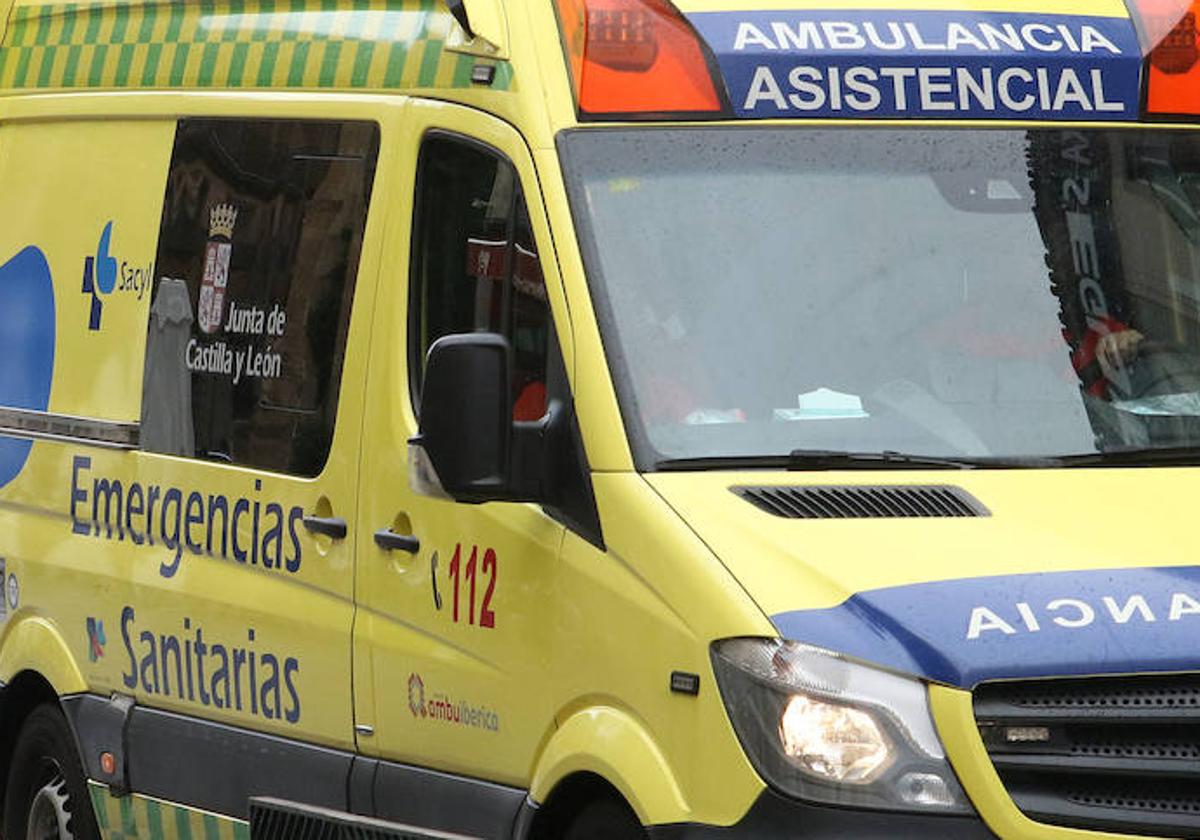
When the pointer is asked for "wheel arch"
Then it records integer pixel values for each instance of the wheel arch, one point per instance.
(34, 644)
(569, 797)
(605, 751)
(21, 695)
(36, 667)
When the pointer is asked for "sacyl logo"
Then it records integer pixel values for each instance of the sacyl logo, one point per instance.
(99, 275)
(102, 272)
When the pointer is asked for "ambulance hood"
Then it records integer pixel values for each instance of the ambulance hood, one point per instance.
(1062, 572)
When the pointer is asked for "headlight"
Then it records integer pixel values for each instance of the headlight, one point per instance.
(819, 727)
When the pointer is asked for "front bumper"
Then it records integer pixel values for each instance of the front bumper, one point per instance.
(774, 817)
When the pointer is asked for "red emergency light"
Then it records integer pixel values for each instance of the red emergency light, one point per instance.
(632, 59)
(1168, 29)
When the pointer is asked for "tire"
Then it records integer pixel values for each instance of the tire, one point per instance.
(605, 819)
(46, 785)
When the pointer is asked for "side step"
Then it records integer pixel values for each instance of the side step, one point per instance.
(278, 819)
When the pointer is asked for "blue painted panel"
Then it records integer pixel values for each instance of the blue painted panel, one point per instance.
(27, 340)
(963, 632)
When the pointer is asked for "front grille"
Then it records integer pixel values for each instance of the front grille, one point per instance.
(1103, 753)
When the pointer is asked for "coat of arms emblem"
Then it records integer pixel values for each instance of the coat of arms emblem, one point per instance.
(222, 218)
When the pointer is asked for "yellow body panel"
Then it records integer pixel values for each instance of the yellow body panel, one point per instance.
(34, 643)
(51, 159)
(660, 591)
(1024, 533)
(629, 755)
(5, 8)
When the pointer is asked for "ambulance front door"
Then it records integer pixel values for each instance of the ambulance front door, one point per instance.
(456, 608)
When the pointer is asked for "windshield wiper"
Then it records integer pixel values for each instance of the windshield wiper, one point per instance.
(835, 459)
(1136, 456)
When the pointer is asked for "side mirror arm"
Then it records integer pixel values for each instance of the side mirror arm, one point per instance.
(534, 450)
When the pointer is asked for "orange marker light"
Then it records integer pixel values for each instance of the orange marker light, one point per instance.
(108, 764)
(1169, 34)
(636, 58)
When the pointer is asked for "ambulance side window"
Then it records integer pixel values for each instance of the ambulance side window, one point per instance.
(258, 252)
(475, 265)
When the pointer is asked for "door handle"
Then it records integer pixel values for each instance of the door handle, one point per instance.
(330, 526)
(389, 540)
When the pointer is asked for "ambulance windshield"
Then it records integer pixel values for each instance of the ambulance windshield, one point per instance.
(959, 293)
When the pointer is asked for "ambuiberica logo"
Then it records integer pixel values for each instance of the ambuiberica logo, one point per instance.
(440, 707)
(104, 275)
(416, 695)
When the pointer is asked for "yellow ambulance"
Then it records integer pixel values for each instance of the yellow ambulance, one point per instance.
(599, 419)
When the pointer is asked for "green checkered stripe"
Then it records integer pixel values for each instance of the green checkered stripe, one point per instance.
(142, 818)
(309, 44)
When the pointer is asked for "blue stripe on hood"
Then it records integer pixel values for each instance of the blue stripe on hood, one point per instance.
(963, 632)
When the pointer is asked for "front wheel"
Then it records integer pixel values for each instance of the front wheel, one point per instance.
(605, 819)
(47, 795)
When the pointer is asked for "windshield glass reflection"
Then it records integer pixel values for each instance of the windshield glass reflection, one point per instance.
(975, 293)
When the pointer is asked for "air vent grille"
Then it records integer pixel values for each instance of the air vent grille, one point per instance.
(859, 501)
(275, 819)
(1113, 754)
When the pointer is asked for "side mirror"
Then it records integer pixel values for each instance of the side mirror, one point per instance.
(468, 447)
(463, 446)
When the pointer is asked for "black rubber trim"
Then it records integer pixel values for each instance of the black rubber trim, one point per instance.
(218, 768)
(100, 726)
(1115, 809)
(772, 817)
(362, 786)
(523, 825)
(459, 11)
(417, 796)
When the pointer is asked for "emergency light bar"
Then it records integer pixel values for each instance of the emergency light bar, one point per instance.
(637, 59)
(1169, 37)
(643, 59)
